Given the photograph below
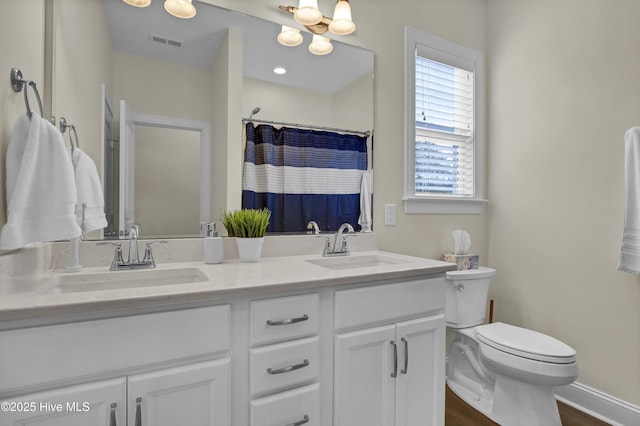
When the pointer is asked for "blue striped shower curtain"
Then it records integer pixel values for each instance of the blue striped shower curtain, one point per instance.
(303, 175)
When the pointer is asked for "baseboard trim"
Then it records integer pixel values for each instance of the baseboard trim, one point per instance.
(598, 404)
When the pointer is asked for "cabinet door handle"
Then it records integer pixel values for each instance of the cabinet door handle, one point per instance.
(138, 411)
(289, 320)
(112, 416)
(288, 368)
(406, 356)
(304, 420)
(395, 359)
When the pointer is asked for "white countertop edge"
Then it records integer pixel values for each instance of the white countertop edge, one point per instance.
(227, 280)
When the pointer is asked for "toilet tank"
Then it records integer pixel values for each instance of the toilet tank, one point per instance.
(466, 296)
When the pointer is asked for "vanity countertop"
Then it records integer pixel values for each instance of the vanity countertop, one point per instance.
(229, 279)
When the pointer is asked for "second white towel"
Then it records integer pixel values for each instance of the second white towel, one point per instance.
(629, 260)
(90, 208)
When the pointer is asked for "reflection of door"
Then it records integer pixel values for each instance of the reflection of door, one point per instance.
(171, 165)
(127, 169)
(109, 169)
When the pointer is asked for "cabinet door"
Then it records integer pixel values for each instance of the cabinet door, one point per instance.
(421, 381)
(98, 403)
(363, 386)
(192, 395)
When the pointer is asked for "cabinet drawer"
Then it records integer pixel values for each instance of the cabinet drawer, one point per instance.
(283, 365)
(284, 318)
(382, 303)
(286, 408)
(67, 351)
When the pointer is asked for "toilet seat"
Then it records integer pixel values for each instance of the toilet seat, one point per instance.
(525, 343)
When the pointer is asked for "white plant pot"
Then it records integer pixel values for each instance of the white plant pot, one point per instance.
(249, 249)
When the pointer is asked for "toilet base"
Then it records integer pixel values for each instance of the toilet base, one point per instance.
(498, 396)
(523, 404)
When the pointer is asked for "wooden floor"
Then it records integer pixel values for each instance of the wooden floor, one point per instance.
(459, 413)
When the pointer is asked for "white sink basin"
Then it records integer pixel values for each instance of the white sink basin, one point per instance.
(114, 280)
(351, 262)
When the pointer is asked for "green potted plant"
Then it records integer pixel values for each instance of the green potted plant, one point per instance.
(248, 226)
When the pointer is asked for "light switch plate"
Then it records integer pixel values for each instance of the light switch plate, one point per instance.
(389, 214)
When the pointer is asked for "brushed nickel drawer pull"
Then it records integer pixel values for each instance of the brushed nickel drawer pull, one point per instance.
(395, 359)
(289, 320)
(304, 420)
(138, 412)
(289, 368)
(112, 417)
(406, 356)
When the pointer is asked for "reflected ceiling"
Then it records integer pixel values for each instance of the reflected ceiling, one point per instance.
(153, 33)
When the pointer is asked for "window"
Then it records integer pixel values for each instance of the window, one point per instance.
(444, 144)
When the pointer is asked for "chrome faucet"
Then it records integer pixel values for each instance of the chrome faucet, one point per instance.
(133, 260)
(313, 227)
(339, 242)
(134, 234)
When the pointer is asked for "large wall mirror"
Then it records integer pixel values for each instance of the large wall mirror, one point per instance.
(215, 68)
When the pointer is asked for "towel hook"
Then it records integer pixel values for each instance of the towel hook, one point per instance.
(18, 83)
(72, 128)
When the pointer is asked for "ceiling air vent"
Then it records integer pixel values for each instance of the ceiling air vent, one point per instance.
(164, 40)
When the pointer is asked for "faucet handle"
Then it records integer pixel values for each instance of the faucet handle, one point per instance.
(148, 254)
(117, 254)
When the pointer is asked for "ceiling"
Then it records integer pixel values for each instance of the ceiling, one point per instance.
(196, 42)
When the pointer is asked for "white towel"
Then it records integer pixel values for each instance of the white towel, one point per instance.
(629, 260)
(90, 208)
(366, 192)
(41, 191)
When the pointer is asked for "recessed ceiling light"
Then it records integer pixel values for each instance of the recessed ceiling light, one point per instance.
(279, 70)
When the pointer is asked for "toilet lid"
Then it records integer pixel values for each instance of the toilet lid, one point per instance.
(525, 343)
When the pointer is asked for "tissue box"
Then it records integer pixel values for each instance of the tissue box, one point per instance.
(464, 261)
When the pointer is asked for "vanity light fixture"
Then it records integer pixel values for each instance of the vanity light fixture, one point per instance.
(317, 23)
(180, 8)
(138, 3)
(308, 14)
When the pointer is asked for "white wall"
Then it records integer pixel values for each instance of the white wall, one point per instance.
(564, 85)
(82, 64)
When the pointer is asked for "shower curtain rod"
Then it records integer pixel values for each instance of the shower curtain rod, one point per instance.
(366, 133)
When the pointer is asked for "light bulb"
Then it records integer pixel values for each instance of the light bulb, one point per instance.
(138, 3)
(180, 8)
(342, 23)
(289, 36)
(308, 12)
(320, 45)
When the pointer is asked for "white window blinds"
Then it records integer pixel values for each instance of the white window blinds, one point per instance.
(444, 129)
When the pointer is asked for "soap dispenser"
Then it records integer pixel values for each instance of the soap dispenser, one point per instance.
(213, 245)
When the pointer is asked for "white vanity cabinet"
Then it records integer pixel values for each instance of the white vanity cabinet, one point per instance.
(97, 403)
(342, 348)
(191, 395)
(195, 395)
(285, 361)
(164, 368)
(391, 373)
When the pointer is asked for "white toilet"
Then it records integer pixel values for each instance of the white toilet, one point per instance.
(508, 373)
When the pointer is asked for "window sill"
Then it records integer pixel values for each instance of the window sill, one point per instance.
(420, 205)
